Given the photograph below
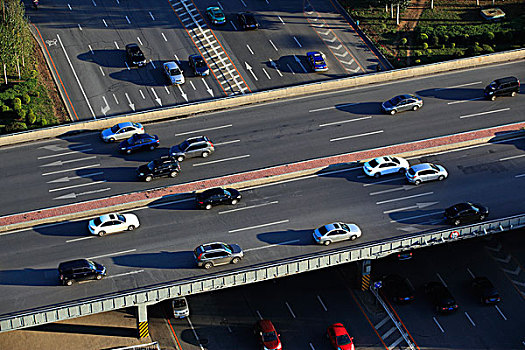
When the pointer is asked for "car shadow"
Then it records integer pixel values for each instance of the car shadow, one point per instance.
(510, 138)
(432, 216)
(66, 229)
(287, 237)
(184, 201)
(363, 108)
(29, 277)
(453, 94)
(162, 260)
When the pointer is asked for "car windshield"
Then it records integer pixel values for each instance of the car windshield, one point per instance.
(97, 221)
(434, 167)
(115, 128)
(91, 264)
(396, 100)
(151, 165)
(269, 336)
(411, 171)
(345, 227)
(227, 193)
(175, 71)
(178, 303)
(228, 248)
(373, 163)
(322, 230)
(343, 339)
(184, 145)
(217, 12)
(121, 217)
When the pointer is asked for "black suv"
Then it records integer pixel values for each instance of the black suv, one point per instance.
(163, 166)
(509, 86)
(485, 291)
(135, 56)
(198, 65)
(397, 289)
(440, 296)
(247, 20)
(80, 270)
(214, 196)
(464, 212)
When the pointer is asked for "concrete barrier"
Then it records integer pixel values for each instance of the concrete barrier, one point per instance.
(263, 96)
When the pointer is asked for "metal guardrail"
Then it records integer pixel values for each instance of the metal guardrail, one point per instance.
(155, 294)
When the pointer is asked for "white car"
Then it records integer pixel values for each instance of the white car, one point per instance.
(424, 172)
(173, 73)
(180, 307)
(385, 165)
(336, 232)
(111, 223)
(121, 131)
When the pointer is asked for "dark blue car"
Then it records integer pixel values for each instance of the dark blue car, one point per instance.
(139, 142)
(317, 61)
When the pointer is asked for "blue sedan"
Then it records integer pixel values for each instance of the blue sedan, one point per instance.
(139, 142)
(317, 62)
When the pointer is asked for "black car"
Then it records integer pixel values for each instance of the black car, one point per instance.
(135, 56)
(466, 212)
(218, 195)
(198, 65)
(397, 289)
(80, 270)
(139, 142)
(485, 291)
(247, 20)
(163, 166)
(440, 296)
(509, 86)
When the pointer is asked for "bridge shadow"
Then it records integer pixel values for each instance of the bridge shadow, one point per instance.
(162, 260)
(108, 331)
(29, 277)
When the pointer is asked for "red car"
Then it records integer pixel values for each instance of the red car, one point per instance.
(339, 337)
(267, 335)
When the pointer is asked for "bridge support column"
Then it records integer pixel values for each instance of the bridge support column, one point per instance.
(142, 321)
(366, 269)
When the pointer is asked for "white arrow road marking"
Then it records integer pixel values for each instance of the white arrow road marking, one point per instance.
(184, 96)
(248, 67)
(62, 162)
(299, 61)
(74, 186)
(75, 195)
(72, 169)
(210, 91)
(417, 206)
(69, 178)
(258, 226)
(297, 41)
(131, 105)
(274, 65)
(404, 187)
(404, 198)
(65, 153)
(106, 107)
(156, 97)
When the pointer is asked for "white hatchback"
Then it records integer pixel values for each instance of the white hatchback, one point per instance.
(111, 223)
(385, 165)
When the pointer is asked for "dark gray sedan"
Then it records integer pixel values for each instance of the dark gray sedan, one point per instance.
(402, 103)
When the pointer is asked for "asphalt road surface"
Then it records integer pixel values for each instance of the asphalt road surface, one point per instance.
(272, 222)
(72, 169)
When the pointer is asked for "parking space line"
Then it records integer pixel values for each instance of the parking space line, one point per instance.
(259, 226)
(358, 135)
(221, 160)
(290, 309)
(322, 304)
(249, 207)
(436, 321)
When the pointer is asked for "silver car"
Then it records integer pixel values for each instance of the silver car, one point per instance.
(424, 172)
(198, 146)
(402, 103)
(217, 253)
(336, 232)
(121, 131)
(180, 307)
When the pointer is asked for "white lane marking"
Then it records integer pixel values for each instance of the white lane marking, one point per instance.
(275, 47)
(272, 245)
(74, 186)
(63, 154)
(484, 113)
(290, 68)
(258, 314)
(311, 346)
(436, 321)
(193, 86)
(322, 304)
(404, 187)
(521, 175)
(404, 198)
(332, 107)
(226, 142)
(345, 121)
(142, 94)
(457, 86)
(267, 75)
(244, 3)
(280, 19)
(112, 254)
(462, 101)
(358, 135)
(101, 71)
(163, 36)
(75, 195)
(194, 333)
(259, 226)
(166, 88)
(417, 216)
(79, 239)
(125, 274)
(72, 169)
(441, 279)
(290, 309)
(221, 160)
(94, 3)
(127, 19)
(91, 49)
(471, 273)
(249, 207)
(104, 21)
(115, 97)
(249, 49)
(470, 319)
(69, 6)
(220, 5)
(297, 41)
(76, 77)
(207, 129)
(151, 15)
(512, 157)
(501, 313)
(380, 182)
(140, 41)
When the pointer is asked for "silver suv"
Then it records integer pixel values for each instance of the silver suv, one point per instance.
(199, 146)
(217, 253)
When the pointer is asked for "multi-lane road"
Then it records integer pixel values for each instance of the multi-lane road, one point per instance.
(86, 42)
(77, 168)
(272, 222)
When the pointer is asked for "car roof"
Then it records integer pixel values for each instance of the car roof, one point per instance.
(266, 325)
(125, 124)
(506, 79)
(421, 166)
(196, 56)
(171, 65)
(67, 265)
(339, 329)
(130, 46)
(197, 139)
(106, 217)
